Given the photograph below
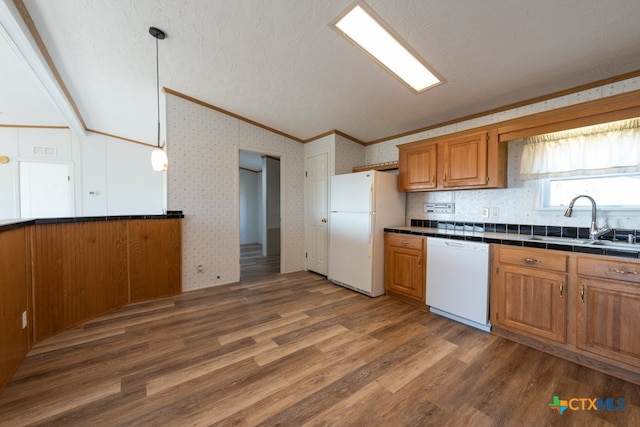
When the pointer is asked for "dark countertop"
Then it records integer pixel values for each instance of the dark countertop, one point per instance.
(601, 247)
(11, 224)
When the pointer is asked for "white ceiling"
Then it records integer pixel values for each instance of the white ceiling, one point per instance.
(279, 63)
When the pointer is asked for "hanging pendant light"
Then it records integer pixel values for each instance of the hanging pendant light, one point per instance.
(159, 160)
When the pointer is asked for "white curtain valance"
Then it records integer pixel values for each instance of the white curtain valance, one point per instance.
(593, 150)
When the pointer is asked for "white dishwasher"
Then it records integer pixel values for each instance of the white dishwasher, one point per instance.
(458, 281)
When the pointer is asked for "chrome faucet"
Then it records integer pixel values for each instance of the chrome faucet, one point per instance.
(594, 232)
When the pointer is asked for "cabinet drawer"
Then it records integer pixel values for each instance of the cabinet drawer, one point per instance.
(609, 269)
(405, 241)
(537, 259)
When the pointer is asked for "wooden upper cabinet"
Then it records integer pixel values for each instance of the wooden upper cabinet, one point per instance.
(466, 160)
(418, 168)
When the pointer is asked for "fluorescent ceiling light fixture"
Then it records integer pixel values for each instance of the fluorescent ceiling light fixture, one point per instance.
(360, 25)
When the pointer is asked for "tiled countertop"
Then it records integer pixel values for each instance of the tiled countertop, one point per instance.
(602, 247)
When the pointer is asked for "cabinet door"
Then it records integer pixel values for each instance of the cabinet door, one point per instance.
(608, 319)
(532, 302)
(405, 271)
(417, 168)
(465, 161)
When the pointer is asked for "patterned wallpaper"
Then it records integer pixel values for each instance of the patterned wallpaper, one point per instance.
(516, 204)
(202, 181)
(348, 155)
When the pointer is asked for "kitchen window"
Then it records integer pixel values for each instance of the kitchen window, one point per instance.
(602, 161)
(612, 192)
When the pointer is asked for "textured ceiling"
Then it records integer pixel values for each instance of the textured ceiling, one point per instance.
(279, 63)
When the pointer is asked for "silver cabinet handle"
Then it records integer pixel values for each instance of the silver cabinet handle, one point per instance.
(614, 270)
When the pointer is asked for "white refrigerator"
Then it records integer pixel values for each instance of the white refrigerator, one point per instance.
(362, 204)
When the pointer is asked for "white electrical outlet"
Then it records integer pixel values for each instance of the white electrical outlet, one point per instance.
(485, 212)
(24, 319)
(495, 212)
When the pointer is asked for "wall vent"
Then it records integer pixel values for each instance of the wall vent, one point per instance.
(44, 151)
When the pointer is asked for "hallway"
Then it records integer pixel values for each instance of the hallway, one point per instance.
(255, 266)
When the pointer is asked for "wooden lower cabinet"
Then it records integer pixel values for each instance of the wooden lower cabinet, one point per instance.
(405, 267)
(584, 308)
(609, 310)
(529, 292)
(531, 301)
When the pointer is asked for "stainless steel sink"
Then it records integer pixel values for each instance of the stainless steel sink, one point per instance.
(560, 240)
(586, 242)
(615, 245)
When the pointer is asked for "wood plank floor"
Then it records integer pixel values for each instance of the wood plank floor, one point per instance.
(255, 266)
(295, 350)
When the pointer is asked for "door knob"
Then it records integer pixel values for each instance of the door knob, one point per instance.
(324, 219)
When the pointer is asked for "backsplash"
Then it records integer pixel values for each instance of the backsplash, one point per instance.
(619, 234)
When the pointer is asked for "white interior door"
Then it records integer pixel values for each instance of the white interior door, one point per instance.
(45, 190)
(316, 212)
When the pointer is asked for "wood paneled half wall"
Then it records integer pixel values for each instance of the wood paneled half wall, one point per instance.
(62, 274)
(14, 300)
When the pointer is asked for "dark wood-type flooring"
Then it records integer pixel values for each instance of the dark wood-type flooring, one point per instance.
(295, 350)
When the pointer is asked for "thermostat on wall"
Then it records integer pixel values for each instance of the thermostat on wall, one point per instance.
(439, 207)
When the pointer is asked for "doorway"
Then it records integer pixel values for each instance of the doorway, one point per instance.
(259, 215)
